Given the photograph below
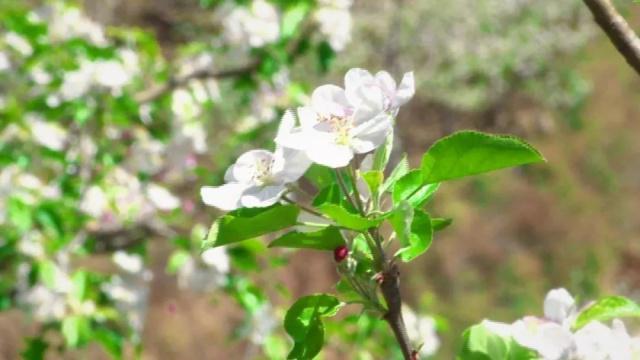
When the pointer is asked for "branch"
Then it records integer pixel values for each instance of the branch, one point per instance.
(391, 291)
(176, 82)
(294, 48)
(618, 30)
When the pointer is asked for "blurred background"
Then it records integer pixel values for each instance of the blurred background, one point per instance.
(114, 113)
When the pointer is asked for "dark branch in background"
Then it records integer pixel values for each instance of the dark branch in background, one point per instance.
(294, 49)
(156, 91)
(617, 29)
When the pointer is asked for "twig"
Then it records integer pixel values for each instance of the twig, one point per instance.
(391, 291)
(293, 49)
(617, 29)
(303, 207)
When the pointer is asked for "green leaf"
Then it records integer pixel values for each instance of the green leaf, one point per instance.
(303, 323)
(438, 224)
(479, 343)
(332, 195)
(347, 219)
(413, 230)
(35, 348)
(382, 154)
(176, 260)
(328, 238)
(111, 341)
(373, 179)
(606, 309)
(245, 224)
(320, 176)
(401, 169)
(468, 153)
(75, 329)
(292, 18)
(80, 280)
(412, 188)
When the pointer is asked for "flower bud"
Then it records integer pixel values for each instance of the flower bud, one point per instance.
(340, 253)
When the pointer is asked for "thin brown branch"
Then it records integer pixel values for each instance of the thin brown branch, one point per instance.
(617, 29)
(391, 291)
(294, 49)
(158, 90)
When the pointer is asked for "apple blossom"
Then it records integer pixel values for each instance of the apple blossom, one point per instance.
(333, 129)
(359, 81)
(256, 25)
(259, 177)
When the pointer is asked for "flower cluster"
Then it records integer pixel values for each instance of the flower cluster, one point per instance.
(553, 338)
(338, 124)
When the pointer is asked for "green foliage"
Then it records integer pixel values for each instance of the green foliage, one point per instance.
(348, 219)
(481, 344)
(413, 230)
(411, 188)
(606, 309)
(304, 324)
(246, 223)
(328, 238)
(469, 153)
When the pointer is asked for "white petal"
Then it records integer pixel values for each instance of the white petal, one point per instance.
(287, 123)
(559, 305)
(406, 90)
(353, 80)
(549, 339)
(498, 328)
(307, 116)
(225, 197)
(597, 341)
(330, 100)
(385, 80)
(371, 134)
(370, 102)
(330, 154)
(244, 168)
(297, 139)
(289, 165)
(262, 196)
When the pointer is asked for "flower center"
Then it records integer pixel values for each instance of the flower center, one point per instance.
(341, 127)
(262, 175)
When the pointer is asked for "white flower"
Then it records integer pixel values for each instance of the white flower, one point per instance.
(359, 81)
(47, 134)
(549, 339)
(18, 43)
(5, 63)
(421, 330)
(335, 22)
(333, 129)
(31, 245)
(132, 263)
(162, 198)
(196, 276)
(130, 294)
(94, 202)
(66, 23)
(596, 341)
(111, 74)
(78, 82)
(559, 306)
(259, 177)
(46, 303)
(217, 258)
(257, 25)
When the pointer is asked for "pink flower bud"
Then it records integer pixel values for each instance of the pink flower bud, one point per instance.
(340, 253)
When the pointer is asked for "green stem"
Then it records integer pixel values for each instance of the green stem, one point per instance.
(303, 207)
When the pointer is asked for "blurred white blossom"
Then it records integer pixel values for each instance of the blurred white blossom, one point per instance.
(18, 43)
(335, 22)
(421, 330)
(46, 133)
(256, 25)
